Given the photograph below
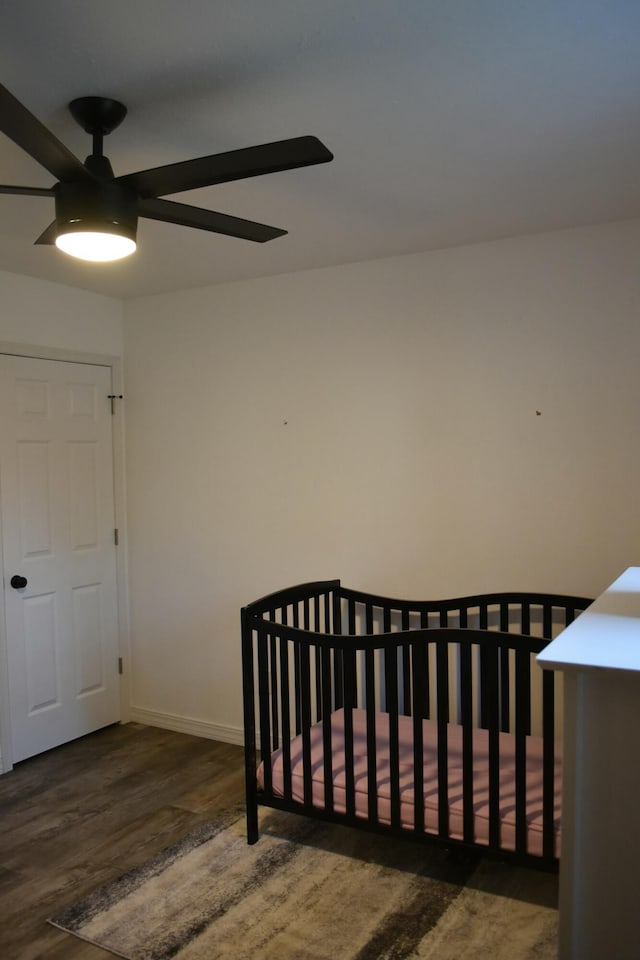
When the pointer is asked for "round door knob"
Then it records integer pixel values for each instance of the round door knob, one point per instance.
(18, 582)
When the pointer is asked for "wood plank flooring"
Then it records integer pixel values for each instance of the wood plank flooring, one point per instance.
(82, 814)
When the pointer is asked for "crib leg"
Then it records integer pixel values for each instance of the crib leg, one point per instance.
(253, 834)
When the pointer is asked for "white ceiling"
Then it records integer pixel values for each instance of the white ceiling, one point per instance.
(451, 121)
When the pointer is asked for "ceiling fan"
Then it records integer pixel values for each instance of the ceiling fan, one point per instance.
(97, 213)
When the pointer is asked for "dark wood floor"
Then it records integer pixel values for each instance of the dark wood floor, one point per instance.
(84, 813)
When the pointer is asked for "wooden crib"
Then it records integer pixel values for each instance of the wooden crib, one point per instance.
(424, 719)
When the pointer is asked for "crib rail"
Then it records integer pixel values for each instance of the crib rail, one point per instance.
(523, 614)
(319, 648)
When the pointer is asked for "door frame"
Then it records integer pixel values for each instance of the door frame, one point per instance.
(119, 495)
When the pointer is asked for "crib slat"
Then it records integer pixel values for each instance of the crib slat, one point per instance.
(351, 617)
(338, 679)
(391, 693)
(372, 784)
(522, 720)
(318, 685)
(368, 618)
(336, 612)
(526, 693)
(424, 625)
(296, 686)
(420, 670)
(273, 673)
(338, 657)
(333, 608)
(548, 763)
(505, 693)
(466, 696)
(442, 694)
(419, 661)
(305, 711)
(491, 679)
(485, 669)
(336, 627)
(286, 718)
(263, 698)
(317, 626)
(349, 686)
(505, 684)
(406, 669)
(349, 677)
(325, 658)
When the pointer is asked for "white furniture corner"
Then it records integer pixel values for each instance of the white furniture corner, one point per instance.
(599, 655)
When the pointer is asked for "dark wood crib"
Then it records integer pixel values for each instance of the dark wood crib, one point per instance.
(424, 719)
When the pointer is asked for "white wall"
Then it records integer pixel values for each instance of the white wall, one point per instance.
(47, 314)
(377, 422)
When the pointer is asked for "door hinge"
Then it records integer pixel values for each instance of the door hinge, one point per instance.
(116, 536)
(113, 397)
(120, 665)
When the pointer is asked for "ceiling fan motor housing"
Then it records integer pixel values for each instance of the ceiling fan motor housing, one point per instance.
(103, 207)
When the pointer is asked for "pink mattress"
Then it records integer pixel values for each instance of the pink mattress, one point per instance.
(480, 779)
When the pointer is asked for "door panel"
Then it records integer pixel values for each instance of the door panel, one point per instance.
(56, 506)
(89, 654)
(83, 482)
(42, 653)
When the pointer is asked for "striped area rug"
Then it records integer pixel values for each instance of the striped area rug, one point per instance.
(313, 891)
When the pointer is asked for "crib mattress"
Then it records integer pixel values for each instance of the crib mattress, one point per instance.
(454, 742)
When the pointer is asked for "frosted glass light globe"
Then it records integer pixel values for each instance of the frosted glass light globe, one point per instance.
(97, 247)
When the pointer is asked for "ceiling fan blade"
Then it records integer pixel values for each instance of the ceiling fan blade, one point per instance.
(224, 167)
(48, 236)
(28, 191)
(27, 132)
(187, 216)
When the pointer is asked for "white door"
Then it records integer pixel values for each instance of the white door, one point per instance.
(57, 516)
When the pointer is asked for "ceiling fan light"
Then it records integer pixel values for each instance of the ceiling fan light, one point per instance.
(95, 246)
(96, 221)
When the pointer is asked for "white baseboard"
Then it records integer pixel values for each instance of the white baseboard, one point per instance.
(197, 728)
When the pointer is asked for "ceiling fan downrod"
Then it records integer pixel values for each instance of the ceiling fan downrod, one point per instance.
(98, 116)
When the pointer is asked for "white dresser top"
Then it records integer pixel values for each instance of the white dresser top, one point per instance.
(606, 635)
